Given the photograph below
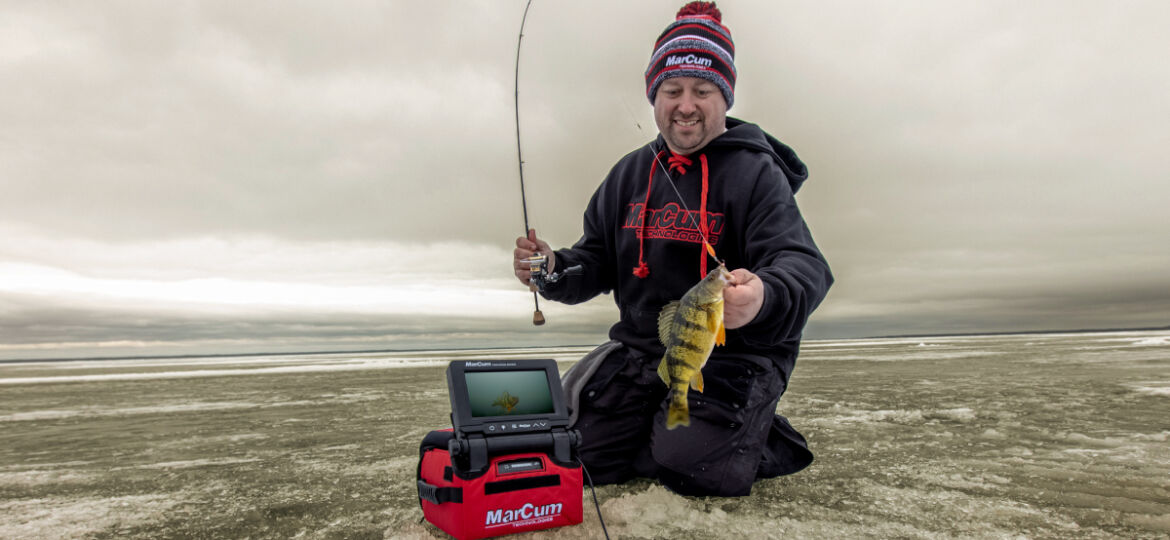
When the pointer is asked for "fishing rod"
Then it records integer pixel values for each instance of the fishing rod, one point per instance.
(535, 265)
(538, 263)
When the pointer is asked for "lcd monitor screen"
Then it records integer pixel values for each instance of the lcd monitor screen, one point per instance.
(508, 393)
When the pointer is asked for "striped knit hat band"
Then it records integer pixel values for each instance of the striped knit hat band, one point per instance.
(696, 44)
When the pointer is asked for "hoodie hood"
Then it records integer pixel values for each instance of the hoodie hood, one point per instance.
(742, 134)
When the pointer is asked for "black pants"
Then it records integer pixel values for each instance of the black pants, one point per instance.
(734, 438)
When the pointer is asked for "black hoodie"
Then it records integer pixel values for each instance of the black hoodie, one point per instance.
(753, 223)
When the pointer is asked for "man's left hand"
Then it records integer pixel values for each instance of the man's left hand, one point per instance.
(743, 299)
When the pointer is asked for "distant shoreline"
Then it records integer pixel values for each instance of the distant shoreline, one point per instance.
(1020, 332)
(408, 350)
(276, 353)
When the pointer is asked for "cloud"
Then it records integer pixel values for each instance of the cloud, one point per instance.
(209, 169)
(209, 294)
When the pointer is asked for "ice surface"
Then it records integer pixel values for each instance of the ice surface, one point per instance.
(1153, 388)
(1029, 436)
(77, 517)
(172, 408)
(192, 463)
(1153, 341)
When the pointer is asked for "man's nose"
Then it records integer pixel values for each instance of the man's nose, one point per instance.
(686, 103)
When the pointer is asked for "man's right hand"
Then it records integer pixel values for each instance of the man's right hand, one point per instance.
(527, 247)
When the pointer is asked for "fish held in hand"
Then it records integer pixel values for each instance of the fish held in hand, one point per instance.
(690, 328)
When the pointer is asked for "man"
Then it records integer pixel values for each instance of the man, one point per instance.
(644, 241)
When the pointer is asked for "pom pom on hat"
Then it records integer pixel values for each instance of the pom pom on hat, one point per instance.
(700, 8)
(696, 44)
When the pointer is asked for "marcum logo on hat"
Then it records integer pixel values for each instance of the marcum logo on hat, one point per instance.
(688, 60)
(525, 515)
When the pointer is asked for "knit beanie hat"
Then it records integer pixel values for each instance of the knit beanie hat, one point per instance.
(696, 44)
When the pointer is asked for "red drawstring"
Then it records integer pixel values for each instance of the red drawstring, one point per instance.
(679, 163)
(642, 270)
(703, 220)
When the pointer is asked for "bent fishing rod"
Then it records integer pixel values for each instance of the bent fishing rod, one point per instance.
(537, 316)
(538, 264)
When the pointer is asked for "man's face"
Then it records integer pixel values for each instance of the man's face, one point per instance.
(690, 112)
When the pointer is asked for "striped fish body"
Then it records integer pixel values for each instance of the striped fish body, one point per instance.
(506, 401)
(690, 328)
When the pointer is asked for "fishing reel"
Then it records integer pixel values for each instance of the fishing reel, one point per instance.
(541, 277)
(538, 264)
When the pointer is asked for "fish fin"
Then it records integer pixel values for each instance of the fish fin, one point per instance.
(715, 324)
(697, 381)
(665, 320)
(663, 371)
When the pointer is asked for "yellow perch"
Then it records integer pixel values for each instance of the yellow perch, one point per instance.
(507, 402)
(690, 328)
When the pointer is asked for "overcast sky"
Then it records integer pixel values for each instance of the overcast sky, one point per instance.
(190, 177)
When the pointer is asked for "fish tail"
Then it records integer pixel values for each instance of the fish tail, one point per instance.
(679, 413)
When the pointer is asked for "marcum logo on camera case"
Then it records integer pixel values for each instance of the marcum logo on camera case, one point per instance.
(529, 513)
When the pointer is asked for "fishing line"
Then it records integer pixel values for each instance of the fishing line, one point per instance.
(680, 197)
(670, 181)
(706, 243)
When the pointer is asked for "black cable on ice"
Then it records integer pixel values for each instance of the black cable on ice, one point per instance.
(594, 493)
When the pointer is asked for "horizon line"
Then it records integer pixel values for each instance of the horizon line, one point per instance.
(493, 348)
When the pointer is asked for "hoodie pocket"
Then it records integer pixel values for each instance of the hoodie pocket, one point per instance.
(728, 389)
(719, 451)
(622, 386)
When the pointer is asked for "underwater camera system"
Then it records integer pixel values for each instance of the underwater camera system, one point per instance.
(509, 462)
(506, 406)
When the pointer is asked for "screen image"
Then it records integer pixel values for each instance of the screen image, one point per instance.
(507, 393)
